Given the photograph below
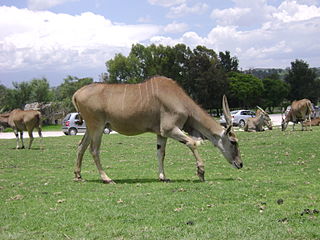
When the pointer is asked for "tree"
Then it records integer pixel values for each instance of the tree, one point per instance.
(228, 63)
(124, 69)
(302, 81)
(275, 91)
(206, 82)
(65, 91)
(20, 95)
(3, 98)
(245, 90)
(40, 91)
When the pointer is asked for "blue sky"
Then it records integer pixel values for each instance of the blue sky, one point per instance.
(56, 38)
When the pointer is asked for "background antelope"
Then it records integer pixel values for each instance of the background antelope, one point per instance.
(299, 112)
(257, 123)
(159, 106)
(20, 121)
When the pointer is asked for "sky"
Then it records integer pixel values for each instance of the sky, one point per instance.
(57, 38)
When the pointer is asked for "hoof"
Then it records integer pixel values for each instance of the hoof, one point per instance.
(108, 182)
(165, 180)
(201, 177)
(79, 179)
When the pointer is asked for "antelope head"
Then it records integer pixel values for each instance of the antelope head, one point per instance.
(228, 143)
(266, 118)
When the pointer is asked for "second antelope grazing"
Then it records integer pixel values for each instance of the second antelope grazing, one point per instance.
(159, 106)
(20, 121)
(299, 112)
(257, 123)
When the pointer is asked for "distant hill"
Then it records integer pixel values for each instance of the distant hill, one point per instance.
(267, 72)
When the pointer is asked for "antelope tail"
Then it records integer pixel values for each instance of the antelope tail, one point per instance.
(75, 104)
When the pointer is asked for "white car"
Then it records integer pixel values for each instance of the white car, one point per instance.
(71, 125)
(239, 117)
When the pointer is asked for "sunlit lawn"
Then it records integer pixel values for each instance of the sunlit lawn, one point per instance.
(275, 196)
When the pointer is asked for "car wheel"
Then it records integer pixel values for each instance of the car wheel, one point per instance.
(242, 123)
(73, 131)
(65, 133)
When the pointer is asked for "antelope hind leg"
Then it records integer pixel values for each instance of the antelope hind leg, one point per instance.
(83, 145)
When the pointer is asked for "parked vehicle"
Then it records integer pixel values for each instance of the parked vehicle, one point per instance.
(71, 125)
(239, 117)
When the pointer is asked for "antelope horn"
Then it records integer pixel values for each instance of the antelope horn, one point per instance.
(262, 110)
(226, 110)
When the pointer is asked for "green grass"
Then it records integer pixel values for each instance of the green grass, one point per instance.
(40, 200)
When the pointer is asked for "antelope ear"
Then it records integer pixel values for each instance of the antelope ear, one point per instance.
(226, 111)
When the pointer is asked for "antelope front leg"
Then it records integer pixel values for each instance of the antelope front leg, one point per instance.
(95, 152)
(31, 138)
(161, 151)
(17, 138)
(21, 137)
(177, 134)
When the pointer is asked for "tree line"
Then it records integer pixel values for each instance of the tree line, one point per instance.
(204, 74)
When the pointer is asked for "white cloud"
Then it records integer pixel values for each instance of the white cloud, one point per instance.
(246, 13)
(290, 11)
(176, 27)
(229, 16)
(184, 9)
(31, 39)
(45, 4)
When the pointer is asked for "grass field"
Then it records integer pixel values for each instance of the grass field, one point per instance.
(275, 196)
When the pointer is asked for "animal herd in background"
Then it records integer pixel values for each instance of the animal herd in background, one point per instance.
(159, 106)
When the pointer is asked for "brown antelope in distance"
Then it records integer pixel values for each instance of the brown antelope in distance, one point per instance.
(313, 122)
(20, 120)
(299, 112)
(157, 105)
(257, 123)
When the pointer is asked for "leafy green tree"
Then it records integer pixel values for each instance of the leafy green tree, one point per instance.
(124, 69)
(303, 82)
(20, 95)
(275, 91)
(245, 90)
(228, 63)
(206, 82)
(65, 91)
(40, 91)
(3, 98)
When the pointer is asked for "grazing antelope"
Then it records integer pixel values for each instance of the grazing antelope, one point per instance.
(159, 106)
(257, 123)
(299, 112)
(20, 121)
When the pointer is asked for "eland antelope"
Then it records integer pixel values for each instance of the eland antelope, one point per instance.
(157, 105)
(299, 112)
(23, 120)
(257, 123)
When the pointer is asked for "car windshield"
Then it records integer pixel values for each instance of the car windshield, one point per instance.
(67, 117)
(234, 112)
